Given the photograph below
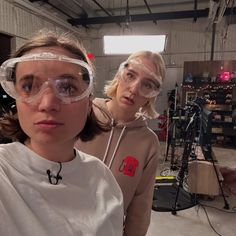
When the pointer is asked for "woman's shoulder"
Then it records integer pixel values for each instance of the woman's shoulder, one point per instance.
(9, 148)
(100, 102)
(91, 162)
(101, 174)
(100, 110)
(87, 158)
(100, 170)
(147, 133)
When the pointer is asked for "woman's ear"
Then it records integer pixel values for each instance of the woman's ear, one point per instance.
(146, 103)
(90, 103)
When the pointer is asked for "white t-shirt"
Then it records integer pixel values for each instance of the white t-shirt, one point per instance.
(86, 201)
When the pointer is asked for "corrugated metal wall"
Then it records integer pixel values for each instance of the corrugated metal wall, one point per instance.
(186, 41)
(18, 21)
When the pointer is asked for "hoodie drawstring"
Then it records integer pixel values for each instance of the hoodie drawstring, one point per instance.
(117, 145)
(109, 143)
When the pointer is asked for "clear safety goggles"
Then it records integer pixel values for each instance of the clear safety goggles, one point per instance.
(149, 86)
(74, 84)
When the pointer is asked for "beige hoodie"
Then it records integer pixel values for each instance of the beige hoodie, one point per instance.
(131, 151)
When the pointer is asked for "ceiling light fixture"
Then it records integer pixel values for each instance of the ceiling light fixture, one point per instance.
(127, 44)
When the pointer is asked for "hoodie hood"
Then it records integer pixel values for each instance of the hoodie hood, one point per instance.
(102, 113)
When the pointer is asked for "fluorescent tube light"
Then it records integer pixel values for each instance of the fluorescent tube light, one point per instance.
(127, 44)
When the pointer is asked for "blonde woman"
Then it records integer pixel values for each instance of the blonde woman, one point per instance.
(131, 149)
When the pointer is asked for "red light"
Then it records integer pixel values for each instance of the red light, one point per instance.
(225, 76)
(90, 56)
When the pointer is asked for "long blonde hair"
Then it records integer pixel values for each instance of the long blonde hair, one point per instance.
(148, 109)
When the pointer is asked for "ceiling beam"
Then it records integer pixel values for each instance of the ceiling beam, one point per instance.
(165, 3)
(146, 17)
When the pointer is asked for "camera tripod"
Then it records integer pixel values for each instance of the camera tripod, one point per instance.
(190, 133)
(172, 197)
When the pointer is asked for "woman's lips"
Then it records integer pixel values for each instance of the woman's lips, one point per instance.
(128, 100)
(48, 124)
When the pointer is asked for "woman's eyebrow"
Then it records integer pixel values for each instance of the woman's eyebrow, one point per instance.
(71, 76)
(27, 77)
(148, 77)
(133, 71)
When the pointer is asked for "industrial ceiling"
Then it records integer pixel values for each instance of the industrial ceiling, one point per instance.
(91, 12)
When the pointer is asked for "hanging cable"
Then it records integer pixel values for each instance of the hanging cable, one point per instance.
(225, 36)
(127, 15)
(108, 13)
(149, 9)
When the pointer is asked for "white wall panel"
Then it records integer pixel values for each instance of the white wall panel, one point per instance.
(18, 42)
(105, 72)
(6, 17)
(20, 22)
(230, 39)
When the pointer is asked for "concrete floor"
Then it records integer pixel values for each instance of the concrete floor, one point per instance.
(196, 221)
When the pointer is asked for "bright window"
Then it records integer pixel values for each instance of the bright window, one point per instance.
(128, 44)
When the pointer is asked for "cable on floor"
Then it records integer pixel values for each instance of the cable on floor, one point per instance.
(208, 219)
(233, 209)
(169, 172)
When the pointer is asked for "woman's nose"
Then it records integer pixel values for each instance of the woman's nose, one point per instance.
(134, 87)
(48, 101)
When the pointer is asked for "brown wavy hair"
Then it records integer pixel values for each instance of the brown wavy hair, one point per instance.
(9, 123)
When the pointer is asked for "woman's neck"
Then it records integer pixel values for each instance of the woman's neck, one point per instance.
(52, 152)
(118, 113)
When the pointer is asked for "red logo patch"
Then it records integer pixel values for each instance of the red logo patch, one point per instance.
(128, 166)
